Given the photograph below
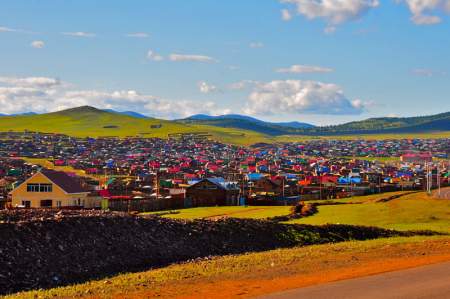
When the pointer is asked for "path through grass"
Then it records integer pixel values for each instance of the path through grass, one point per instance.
(255, 212)
(411, 212)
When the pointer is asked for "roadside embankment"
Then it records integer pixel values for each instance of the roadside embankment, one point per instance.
(43, 249)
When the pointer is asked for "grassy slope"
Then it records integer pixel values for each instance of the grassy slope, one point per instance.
(235, 212)
(411, 212)
(86, 121)
(295, 138)
(262, 212)
(432, 123)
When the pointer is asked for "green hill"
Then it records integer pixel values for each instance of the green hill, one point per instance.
(244, 124)
(388, 125)
(385, 125)
(88, 121)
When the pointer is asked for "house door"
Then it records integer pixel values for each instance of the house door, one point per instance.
(46, 203)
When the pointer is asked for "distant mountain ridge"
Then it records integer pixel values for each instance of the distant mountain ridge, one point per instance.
(17, 114)
(292, 124)
(417, 124)
(129, 113)
(245, 122)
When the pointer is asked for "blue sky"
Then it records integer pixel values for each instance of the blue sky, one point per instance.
(324, 62)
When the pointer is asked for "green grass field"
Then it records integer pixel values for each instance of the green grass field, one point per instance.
(260, 212)
(361, 199)
(411, 212)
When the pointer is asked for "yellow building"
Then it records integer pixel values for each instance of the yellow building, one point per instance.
(49, 189)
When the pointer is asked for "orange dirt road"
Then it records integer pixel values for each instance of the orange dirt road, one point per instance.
(431, 282)
(340, 266)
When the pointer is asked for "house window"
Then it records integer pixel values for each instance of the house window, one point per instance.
(32, 187)
(45, 187)
(26, 204)
(39, 188)
(58, 203)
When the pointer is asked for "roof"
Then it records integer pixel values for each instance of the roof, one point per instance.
(65, 182)
(219, 182)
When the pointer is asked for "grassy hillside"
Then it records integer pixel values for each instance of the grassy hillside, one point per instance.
(388, 125)
(244, 124)
(247, 123)
(89, 121)
(259, 212)
(411, 212)
(385, 125)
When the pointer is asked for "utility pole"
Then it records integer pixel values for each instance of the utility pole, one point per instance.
(429, 176)
(157, 186)
(320, 186)
(439, 178)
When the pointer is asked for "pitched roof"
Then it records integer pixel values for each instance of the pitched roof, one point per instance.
(65, 182)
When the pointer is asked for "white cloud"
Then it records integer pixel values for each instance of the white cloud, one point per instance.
(7, 29)
(286, 15)
(300, 97)
(42, 94)
(204, 87)
(37, 44)
(233, 67)
(334, 12)
(256, 45)
(425, 20)
(243, 84)
(79, 34)
(428, 72)
(299, 69)
(424, 11)
(151, 55)
(330, 29)
(138, 35)
(192, 58)
(33, 82)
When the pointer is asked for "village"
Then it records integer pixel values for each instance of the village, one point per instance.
(189, 170)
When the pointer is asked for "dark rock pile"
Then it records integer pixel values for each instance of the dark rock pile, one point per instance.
(43, 249)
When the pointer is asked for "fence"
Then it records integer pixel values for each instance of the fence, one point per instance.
(146, 205)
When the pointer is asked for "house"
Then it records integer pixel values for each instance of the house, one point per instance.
(267, 185)
(212, 192)
(49, 189)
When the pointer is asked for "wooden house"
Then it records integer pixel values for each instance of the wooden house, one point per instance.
(49, 189)
(212, 192)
